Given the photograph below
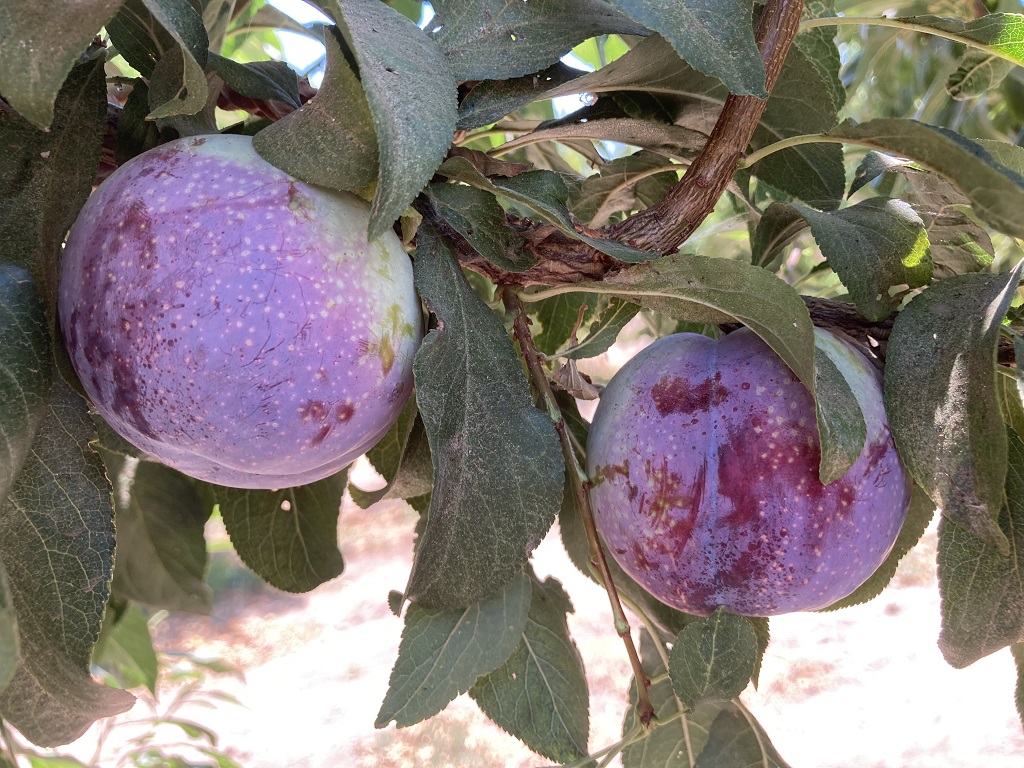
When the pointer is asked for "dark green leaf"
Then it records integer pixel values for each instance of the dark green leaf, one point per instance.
(269, 17)
(543, 193)
(57, 545)
(841, 426)
(713, 659)
(412, 96)
(125, 649)
(135, 134)
(39, 43)
(540, 694)
(402, 458)
(45, 178)
(801, 102)
(270, 80)
(1008, 393)
(996, 192)
(161, 547)
(289, 537)
(10, 646)
(330, 141)
(138, 37)
(779, 224)
(178, 81)
(819, 45)
(496, 40)
(982, 588)
(707, 290)
(24, 371)
(958, 245)
(873, 165)
(443, 652)
(604, 330)
(476, 215)
(491, 100)
(736, 740)
(557, 317)
(494, 497)
(714, 36)
(873, 246)
(919, 515)
(627, 183)
(941, 399)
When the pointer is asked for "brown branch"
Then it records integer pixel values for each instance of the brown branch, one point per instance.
(539, 377)
(667, 225)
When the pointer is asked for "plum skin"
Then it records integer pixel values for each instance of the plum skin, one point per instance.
(703, 457)
(232, 321)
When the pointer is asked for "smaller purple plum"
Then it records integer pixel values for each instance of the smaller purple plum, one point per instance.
(234, 322)
(703, 457)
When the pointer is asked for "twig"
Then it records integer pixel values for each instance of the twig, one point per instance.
(578, 479)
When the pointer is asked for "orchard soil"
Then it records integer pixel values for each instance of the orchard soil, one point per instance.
(865, 687)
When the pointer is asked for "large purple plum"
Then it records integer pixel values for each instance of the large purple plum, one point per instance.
(233, 322)
(704, 455)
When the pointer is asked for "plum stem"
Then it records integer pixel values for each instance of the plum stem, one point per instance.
(577, 479)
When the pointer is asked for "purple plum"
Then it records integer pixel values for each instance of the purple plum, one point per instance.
(703, 458)
(234, 322)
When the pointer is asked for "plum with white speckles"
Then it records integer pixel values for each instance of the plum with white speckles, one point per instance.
(704, 455)
(234, 322)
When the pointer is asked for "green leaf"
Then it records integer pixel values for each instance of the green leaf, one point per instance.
(443, 652)
(919, 515)
(1008, 155)
(161, 547)
(412, 96)
(138, 37)
(604, 330)
(671, 140)
(1000, 33)
(1008, 393)
(125, 649)
(330, 141)
(544, 193)
(713, 659)
(626, 183)
(706, 290)
(714, 36)
(841, 426)
(24, 371)
(10, 646)
(136, 134)
(996, 192)
(982, 588)
(873, 246)
(873, 165)
(178, 81)
(736, 740)
(476, 215)
(57, 545)
(493, 499)
(978, 73)
(45, 178)
(39, 43)
(270, 80)
(959, 245)
(288, 537)
(941, 399)
(496, 40)
(402, 458)
(491, 100)
(540, 694)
